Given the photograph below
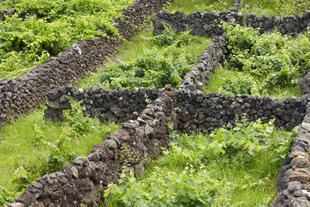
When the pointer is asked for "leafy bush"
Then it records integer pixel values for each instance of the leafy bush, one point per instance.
(24, 43)
(6, 196)
(238, 87)
(152, 70)
(216, 170)
(169, 57)
(293, 6)
(170, 37)
(272, 60)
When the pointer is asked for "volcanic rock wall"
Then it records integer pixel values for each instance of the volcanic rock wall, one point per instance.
(294, 178)
(210, 59)
(305, 83)
(115, 105)
(25, 93)
(202, 23)
(205, 113)
(85, 182)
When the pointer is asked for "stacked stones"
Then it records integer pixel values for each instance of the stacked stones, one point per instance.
(19, 96)
(200, 23)
(85, 182)
(305, 84)
(118, 106)
(208, 61)
(237, 5)
(206, 113)
(294, 178)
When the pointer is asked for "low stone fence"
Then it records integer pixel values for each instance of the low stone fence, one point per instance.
(205, 23)
(85, 182)
(115, 105)
(143, 138)
(210, 59)
(294, 179)
(194, 111)
(19, 96)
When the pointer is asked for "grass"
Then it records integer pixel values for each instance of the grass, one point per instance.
(225, 168)
(29, 142)
(128, 51)
(220, 75)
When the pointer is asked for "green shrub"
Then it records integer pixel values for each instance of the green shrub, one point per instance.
(169, 57)
(238, 87)
(153, 70)
(6, 196)
(273, 60)
(170, 37)
(293, 6)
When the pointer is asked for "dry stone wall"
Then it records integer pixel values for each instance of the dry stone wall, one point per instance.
(89, 176)
(294, 178)
(210, 59)
(305, 83)
(144, 136)
(25, 93)
(85, 182)
(115, 105)
(205, 113)
(203, 23)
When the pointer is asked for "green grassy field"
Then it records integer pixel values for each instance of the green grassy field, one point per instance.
(31, 148)
(148, 61)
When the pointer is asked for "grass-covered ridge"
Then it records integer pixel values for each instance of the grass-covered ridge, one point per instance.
(226, 168)
(49, 28)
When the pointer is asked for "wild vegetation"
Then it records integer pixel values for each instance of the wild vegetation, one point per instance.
(269, 64)
(235, 167)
